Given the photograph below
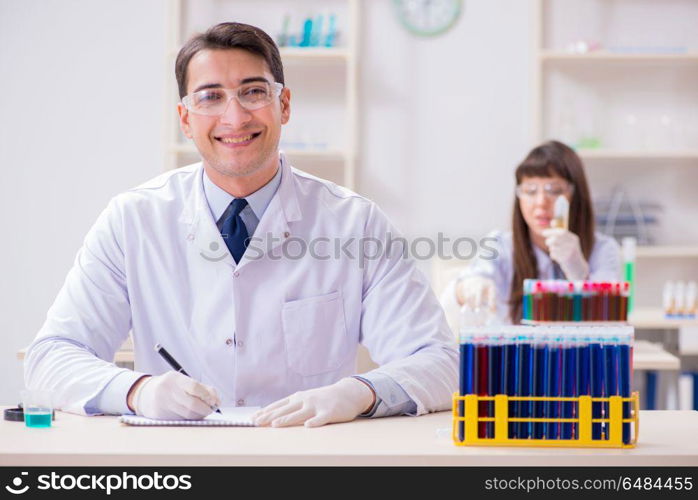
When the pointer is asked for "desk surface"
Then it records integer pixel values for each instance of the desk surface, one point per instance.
(666, 438)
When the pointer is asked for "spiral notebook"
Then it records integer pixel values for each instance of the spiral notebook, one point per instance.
(229, 417)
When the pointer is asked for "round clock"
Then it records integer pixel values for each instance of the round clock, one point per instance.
(428, 17)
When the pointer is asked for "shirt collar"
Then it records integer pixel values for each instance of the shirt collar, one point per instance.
(218, 199)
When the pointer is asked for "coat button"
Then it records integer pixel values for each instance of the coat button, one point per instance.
(236, 274)
(287, 234)
(241, 402)
(240, 344)
(229, 342)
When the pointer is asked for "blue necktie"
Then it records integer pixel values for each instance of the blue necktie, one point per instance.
(233, 231)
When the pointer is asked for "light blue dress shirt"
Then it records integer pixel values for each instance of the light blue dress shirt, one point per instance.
(391, 398)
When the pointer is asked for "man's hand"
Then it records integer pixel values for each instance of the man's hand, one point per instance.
(339, 402)
(172, 396)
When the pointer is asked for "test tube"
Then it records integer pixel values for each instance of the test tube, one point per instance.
(494, 383)
(611, 349)
(541, 385)
(512, 358)
(560, 213)
(679, 299)
(569, 384)
(577, 307)
(587, 301)
(467, 376)
(629, 254)
(554, 387)
(597, 383)
(668, 299)
(526, 388)
(625, 377)
(624, 302)
(538, 301)
(691, 300)
(482, 348)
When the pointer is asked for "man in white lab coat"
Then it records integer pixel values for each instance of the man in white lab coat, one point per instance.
(257, 278)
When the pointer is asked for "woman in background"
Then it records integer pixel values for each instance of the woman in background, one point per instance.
(533, 249)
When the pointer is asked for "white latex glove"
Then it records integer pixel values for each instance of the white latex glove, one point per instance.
(564, 248)
(174, 396)
(477, 292)
(340, 402)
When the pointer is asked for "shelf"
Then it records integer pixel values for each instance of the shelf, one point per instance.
(649, 356)
(604, 56)
(665, 251)
(313, 53)
(301, 53)
(329, 154)
(614, 154)
(653, 318)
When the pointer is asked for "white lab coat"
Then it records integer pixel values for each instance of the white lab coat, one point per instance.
(155, 263)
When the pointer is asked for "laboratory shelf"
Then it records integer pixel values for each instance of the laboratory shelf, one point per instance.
(612, 154)
(606, 56)
(294, 53)
(667, 251)
(313, 53)
(653, 318)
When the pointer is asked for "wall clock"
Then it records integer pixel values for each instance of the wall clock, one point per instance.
(428, 17)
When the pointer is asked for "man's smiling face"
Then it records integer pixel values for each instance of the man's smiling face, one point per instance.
(240, 142)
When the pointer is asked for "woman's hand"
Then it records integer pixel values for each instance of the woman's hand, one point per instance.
(476, 292)
(565, 249)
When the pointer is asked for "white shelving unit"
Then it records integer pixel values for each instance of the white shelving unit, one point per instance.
(630, 155)
(321, 137)
(637, 95)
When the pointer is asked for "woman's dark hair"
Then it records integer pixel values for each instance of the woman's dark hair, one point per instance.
(551, 158)
(229, 36)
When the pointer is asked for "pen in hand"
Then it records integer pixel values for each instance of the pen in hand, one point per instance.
(175, 366)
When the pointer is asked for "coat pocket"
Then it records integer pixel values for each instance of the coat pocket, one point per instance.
(315, 334)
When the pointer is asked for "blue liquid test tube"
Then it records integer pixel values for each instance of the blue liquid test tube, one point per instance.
(597, 384)
(525, 386)
(569, 387)
(541, 350)
(625, 372)
(611, 350)
(555, 388)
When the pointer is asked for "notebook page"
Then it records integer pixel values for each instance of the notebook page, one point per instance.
(230, 416)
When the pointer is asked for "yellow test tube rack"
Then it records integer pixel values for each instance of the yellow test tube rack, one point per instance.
(584, 421)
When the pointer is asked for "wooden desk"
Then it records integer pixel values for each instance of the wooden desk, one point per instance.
(666, 438)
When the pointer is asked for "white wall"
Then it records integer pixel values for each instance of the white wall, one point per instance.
(444, 122)
(80, 121)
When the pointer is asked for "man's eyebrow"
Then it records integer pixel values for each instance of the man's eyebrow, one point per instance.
(208, 86)
(254, 79)
(219, 86)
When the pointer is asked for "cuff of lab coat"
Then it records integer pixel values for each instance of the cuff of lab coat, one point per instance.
(112, 399)
(391, 398)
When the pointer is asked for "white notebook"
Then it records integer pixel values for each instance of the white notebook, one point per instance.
(229, 417)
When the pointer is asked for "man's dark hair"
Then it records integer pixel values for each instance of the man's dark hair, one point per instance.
(229, 36)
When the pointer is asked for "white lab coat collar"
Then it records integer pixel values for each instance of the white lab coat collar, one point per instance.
(273, 228)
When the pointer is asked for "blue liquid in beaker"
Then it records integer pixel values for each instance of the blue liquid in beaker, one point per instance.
(37, 419)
